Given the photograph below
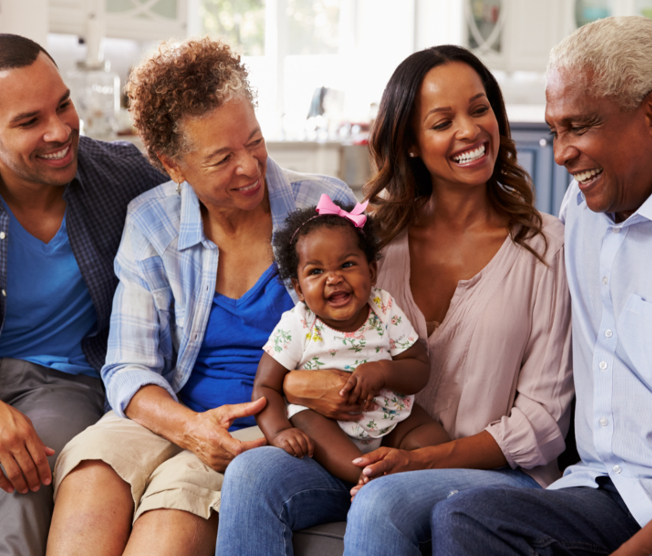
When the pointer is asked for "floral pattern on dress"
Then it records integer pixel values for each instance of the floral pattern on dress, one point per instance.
(280, 339)
(302, 341)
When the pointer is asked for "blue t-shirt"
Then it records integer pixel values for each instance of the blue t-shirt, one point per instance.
(233, 345)
(49, 309)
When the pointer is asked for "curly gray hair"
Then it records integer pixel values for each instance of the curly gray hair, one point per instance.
(618, 51)
(179, 81)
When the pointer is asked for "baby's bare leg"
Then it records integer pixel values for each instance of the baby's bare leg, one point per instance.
(334, 450)
(417, 431)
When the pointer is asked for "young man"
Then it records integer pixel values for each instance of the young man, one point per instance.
(63, 201)
(599, 108)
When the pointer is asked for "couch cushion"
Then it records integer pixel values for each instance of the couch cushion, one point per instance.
(322, 540)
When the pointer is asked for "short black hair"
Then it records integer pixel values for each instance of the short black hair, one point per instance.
(301, 222)
(19, 52)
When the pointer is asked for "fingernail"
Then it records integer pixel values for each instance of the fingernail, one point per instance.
(366, 471)
(356, 460)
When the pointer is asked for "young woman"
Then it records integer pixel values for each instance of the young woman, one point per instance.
(480, 274)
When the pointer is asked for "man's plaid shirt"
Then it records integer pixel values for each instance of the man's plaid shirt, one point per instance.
(109, 176)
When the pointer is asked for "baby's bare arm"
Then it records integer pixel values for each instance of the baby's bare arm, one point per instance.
(273, 419)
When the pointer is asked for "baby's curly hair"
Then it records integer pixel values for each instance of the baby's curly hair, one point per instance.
(180, 80)
(302, 222)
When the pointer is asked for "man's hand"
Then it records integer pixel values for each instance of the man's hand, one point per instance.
(206, 434)
(319, 391)
(295, 442)
(364, 384)
(22, 453)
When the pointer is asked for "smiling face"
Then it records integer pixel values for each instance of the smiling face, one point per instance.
(334, 277)
(608, 151)
(228, 160)
(457, 135)
(39, 127)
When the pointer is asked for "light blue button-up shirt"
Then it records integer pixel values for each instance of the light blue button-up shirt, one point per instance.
(167, 270)
(609, 269)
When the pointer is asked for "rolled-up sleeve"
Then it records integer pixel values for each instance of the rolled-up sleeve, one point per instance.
(533, 433)
(135, 356)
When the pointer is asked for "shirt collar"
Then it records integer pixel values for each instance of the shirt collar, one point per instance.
(191, 227)
(645, 210)
(281, 198)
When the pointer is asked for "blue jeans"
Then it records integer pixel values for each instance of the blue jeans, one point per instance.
(267, 494)
(578, 521)
(391, 515)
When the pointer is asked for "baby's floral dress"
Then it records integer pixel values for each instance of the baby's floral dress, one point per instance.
(301, 341)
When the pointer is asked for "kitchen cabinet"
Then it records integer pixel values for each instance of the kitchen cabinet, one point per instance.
(142, 20)
(535, 155)
(590, 10)
(517, 35)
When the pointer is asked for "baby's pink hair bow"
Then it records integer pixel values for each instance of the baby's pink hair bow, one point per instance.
(326, 206)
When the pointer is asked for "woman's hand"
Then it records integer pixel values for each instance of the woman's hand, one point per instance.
(295, 442)
(320, 391)
(385, 461)
(206, 434)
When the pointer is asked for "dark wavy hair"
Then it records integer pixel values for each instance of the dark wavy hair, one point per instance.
(402, 185)
(302, 222)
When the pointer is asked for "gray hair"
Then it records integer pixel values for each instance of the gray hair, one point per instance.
(180, 81)
(618, 51)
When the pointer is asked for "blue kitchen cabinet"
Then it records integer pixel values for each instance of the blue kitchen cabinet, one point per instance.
(534, 147)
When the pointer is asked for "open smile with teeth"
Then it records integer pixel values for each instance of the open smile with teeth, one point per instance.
(249, 187)
(470, 156)
(56, 155)
(583, 177)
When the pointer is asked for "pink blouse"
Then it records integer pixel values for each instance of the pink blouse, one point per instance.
(501, 358)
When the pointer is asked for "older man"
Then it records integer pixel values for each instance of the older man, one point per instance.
(599, 108)
(63, 201)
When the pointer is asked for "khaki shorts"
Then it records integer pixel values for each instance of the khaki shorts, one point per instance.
(161, 475)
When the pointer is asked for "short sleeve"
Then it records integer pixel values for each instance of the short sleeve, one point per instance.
(286, 342)
(400, 331)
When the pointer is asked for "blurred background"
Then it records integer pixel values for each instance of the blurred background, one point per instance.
(319, 66)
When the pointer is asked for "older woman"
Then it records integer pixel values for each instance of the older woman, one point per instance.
(197, 299)
(480, 273)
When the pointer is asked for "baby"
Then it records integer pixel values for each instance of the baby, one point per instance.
(342, 322)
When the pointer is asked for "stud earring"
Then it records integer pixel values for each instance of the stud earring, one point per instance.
(412, 155)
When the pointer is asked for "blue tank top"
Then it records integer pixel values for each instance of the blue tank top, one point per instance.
(236, 332)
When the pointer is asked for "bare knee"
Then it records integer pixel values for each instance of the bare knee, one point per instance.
(93, 477)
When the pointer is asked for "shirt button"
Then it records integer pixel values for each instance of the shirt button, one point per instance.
(617, 469)
(603, 422)
(616, 230)
(2, 235)
(604, 280)
(602, 365)
(608, 333)
(4, 293)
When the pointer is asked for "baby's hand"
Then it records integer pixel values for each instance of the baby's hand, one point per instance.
(295, 442)
(364, 384)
